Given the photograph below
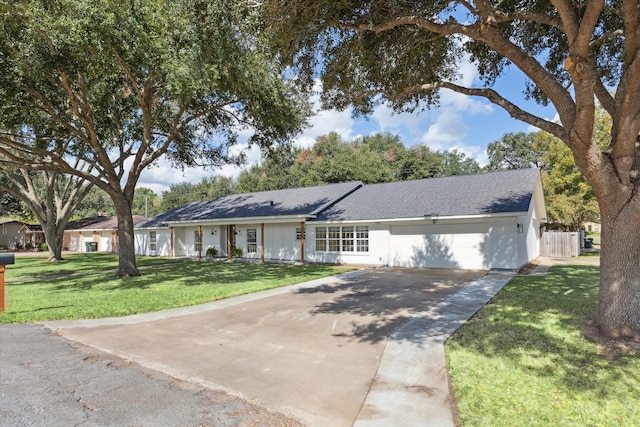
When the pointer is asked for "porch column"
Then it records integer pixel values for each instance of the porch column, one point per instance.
(170, 242)
(229, 242)
(302, 242)
(262, 242)
(199, 242)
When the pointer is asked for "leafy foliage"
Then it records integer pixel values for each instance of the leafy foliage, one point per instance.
(569, 197)
(116, 85)
(376, 158)
(182, 193)
(513, 151)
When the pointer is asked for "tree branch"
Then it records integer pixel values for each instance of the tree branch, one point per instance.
(495, 39)
(630, 15)
(568, 18)
(495, 98)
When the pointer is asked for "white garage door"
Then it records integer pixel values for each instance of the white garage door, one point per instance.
(460, 246)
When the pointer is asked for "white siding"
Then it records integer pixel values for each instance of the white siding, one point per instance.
(142, 242)
(75, 242)
(280, 242)
(503, 247)
(141, 239)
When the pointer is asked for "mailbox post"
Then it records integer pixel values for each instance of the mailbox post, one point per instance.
(5, 259)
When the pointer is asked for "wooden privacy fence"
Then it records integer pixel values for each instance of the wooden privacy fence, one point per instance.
(560, 244)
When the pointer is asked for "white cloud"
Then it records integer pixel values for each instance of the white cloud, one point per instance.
(482, 159)
(324, 122)
(447, 128)
(387, 120)
(162, 175)
(253, 156)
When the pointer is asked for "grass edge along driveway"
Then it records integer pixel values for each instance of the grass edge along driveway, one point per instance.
(84, 286)
(524, 358)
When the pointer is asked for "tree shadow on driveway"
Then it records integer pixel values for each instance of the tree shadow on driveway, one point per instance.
(380, 301)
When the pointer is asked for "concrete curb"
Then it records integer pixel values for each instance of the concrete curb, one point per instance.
(411, 386)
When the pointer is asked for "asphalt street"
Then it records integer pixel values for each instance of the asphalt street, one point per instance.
(46, 380)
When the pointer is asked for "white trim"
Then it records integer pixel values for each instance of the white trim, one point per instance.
(247, 220)
(426, 218)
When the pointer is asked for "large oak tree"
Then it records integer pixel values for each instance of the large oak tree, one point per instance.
(573, 53)
(124, 83)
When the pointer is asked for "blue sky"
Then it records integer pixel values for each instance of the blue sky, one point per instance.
(467, 124)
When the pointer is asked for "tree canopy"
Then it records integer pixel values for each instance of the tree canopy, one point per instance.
(573, 53)
(120, 84)
(381, 157)
(513, 151)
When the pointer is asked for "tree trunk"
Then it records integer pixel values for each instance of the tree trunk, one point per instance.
(619, 297)
(54, 236)
(126, 240)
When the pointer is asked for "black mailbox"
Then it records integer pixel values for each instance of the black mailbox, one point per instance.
(6, 259)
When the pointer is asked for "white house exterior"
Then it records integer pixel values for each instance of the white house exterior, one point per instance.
(479, 222)
(100, 230)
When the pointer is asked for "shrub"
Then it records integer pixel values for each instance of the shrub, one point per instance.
(212, 252)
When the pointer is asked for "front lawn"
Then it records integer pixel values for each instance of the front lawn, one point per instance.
(83, 285)
(524, 359)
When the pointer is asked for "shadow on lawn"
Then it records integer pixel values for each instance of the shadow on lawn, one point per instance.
(191, 273)
(536, 324)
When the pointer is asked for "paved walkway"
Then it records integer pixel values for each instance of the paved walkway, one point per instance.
(411, 387)
(382, 364)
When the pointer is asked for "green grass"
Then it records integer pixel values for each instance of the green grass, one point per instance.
(523, 359)
(84, 285)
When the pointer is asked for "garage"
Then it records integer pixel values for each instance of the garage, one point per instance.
(457, 246)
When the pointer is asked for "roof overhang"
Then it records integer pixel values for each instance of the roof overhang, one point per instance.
(239, 221)
(433, 218)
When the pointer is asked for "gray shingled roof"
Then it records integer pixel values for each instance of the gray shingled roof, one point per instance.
(292, 202)
(489, 193)
(100, 222)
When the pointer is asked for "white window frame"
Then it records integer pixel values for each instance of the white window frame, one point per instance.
(342, 239)
(252, 240)
(362, 238)
(153, 241)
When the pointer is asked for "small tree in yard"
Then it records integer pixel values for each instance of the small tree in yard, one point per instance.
(572, 52)
(124, 83)
(50, 197)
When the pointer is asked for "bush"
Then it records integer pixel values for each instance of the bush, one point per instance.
(236, 252)
(212, 252)
(44, 247)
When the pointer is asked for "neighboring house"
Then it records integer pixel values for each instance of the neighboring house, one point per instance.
(31, 237)
(97, 232)
(10, 234)
(591, 227)
(484, 221)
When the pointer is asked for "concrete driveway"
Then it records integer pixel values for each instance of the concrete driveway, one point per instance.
(310, 350)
